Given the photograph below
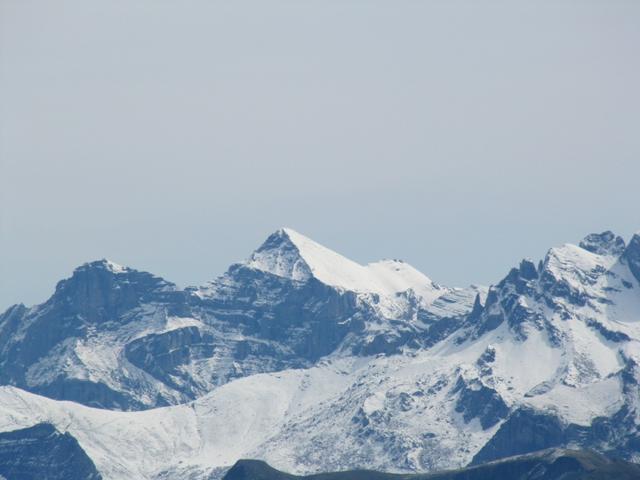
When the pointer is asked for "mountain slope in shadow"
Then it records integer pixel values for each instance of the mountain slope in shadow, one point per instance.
(43, 453)
(554, 464)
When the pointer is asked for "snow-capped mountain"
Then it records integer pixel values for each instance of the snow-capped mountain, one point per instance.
(309, 361)
(114, 337)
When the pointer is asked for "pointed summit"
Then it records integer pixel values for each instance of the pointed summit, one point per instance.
(280, 256)
(289, 254)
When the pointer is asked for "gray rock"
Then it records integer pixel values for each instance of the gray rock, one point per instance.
(632, 256)
(42, 453)
(605, 243)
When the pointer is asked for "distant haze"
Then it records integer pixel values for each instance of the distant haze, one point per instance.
(175, 136)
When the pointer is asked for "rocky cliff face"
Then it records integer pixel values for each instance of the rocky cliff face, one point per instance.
(42, 453)
(114, 337)
(631, 256)
(43, 347)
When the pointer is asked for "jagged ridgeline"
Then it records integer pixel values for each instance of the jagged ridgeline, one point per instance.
(312, 362)
(114, 337)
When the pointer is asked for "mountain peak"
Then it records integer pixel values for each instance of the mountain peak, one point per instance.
(104, 275)
(281, 256)
(605, 243)
(287, 253)
(103, 264)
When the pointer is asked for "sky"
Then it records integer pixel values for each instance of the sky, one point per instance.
(175, 136)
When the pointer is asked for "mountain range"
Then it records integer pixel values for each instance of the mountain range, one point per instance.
(303, 358)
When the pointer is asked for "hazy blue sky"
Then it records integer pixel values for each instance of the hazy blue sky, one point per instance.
(174, 136)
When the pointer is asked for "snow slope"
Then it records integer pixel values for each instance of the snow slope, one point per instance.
(394, 413)
(213, 431)
(290, 254)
